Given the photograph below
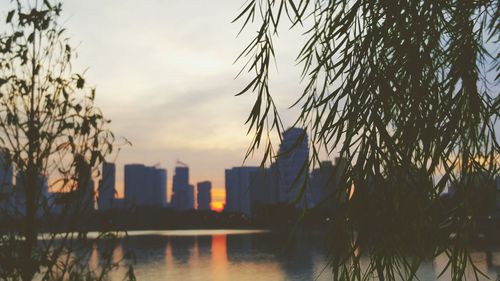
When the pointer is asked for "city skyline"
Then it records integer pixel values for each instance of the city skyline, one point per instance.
(157, 88)
(247, 187)
(244, 140)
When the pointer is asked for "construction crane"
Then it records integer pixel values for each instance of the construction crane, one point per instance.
(178, 162)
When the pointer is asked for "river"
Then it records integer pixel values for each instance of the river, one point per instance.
(219, 255)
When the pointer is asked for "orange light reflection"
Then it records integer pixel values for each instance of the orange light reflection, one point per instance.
(219, 257)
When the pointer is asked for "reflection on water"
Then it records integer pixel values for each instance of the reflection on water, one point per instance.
(246, 255)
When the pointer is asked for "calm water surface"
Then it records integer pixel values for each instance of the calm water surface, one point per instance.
(219, 255)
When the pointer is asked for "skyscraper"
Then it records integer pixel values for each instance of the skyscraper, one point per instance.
(204, 195)
(182, 191)
(239, 184)
(292, 166)
(231, 192)
(157, 180)
(85, 192)
(6, 178)
(497, 198)
(107, 186)
(18, 201)
(162, 178)
(323, 184)
(135, 180)
(265, 186)
(145, 186)
(6, 173)
(190, 197)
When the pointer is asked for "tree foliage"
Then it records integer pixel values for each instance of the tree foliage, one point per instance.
(407, 92)
(50, 129)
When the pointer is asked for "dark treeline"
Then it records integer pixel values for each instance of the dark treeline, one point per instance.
(273, 217)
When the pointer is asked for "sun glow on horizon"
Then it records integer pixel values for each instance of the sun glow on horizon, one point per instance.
(217, 206)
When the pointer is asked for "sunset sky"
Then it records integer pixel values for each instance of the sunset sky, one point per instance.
(164, 75)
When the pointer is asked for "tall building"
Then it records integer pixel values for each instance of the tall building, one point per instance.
(145, 186)
(239, 184)
(497, 198)
(85, 189)
(265, 186)
(41, 194)
(230, 182)
(162, 178)
(6, 173)
(182, 191)
(158, 185)
(497, 193)
(204, 195)
(135, 180)
(107, 187)
(190, 197)
(323, 184)
(292, 166)
(6, 182)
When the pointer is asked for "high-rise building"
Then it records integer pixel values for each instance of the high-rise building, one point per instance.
(265, 186)
(145, 186)
(162, 178)
(74, 197)
(204, 195)
(40, 191)
(293, 168)
(182, 191)
(239, 184)
(497, 198)
(497, 193)
(6, 173)
(135, 179)
(6, 182)
(107, 187)
(231, 198)
(158, 185)
(85, 184)
(190, 196)
(323, 184)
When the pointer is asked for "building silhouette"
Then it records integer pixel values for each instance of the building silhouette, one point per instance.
(145, 186)
(107, 189)
(204, 195)
(85, 189)
(190, 197)
(6, 183)
(182, 191)
(161, 175)
(265, 187)
(251, 190)
(76, 196)
(292, 164)
(18, 201)
(135, 182)
(322, 182)
(497, 197)
(239, 183)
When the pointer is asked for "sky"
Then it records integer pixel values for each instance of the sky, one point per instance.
(165, 75)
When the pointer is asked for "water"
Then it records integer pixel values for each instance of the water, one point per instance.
(219, 255)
